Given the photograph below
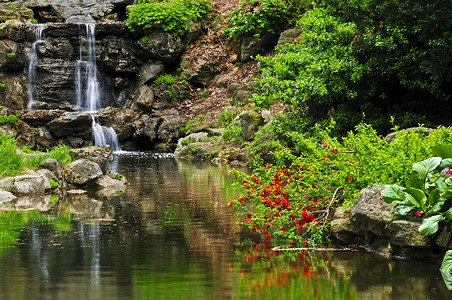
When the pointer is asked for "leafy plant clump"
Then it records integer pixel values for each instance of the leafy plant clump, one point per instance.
(289, 201)
(170, 15)
(254, 16)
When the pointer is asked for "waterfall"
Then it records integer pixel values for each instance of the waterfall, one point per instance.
(88, 91)
(33, 77)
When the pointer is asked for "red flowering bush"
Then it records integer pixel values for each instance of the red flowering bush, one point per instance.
(292, 204)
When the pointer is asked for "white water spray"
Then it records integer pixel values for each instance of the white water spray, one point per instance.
(88, 92)
(33, 78)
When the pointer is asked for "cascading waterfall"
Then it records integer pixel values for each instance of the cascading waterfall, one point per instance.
(88, 91)
(33, 77)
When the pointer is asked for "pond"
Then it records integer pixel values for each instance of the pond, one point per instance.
(170, 235)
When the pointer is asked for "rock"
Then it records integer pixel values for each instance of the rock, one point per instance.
(370, 213)
(341, 227)
(119, 57)
(72, 124)
(169, 130)
(12, 56)
(144, 99)
(254, 44)
(101, 155)
(6, 196)
(290, 36)
(14, 93)
(150, 72)
(200, 150)
(266, 116)
(13, 30)
(120, 119)
(6, 183)
(29, 184)
(250, 122)
(40, 117)
(52, 165)
(82, 171)
(444, 238)
(158, 45)
(185, 144)
(47, 174)
(25, 203)
(146, 129)
(193, 32)
(243, 94)
(55, 47)
(197, 71)
(109, 187)
(406, 233)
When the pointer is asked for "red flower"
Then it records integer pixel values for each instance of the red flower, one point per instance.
(283, 229)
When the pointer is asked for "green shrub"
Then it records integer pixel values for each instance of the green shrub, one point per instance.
(10, 55)
(233, 133)
(53, 183)
(11, 161)
(170, 15)
(226, 118)
(253, 16)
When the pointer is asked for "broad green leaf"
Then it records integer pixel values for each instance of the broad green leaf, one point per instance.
(416, 182)
(446, 269)
(418, 196)
(426, 166)
(447, 192)
(393, 193)
(448, 181)
(433, 197)
(446, 163)
(440, 184)
(448, 214)
(402, 208)
(438, 206)
(443, 151)
(430, 225)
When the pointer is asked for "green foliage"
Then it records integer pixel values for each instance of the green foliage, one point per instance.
(11, 161)
(119, 177)
(446, 269)
(428, 192)
(254, 16)
(53, 183)
(166, 78)
(321, 171)
(205, 94)
(14, 7)
(367, 57)
(34, 21)
(60, 153)
(233, 133)
(2, 84)
(145, 40)
(170, 15)
(185, 142)
(10, 55)
(226, 118)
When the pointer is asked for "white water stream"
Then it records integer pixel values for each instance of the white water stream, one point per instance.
(33, 77)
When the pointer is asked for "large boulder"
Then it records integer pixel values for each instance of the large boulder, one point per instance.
(406, 233)
(102, 155)
(120, 119)
(170, 129)
(119, 57)
(370, 213)
(6, 196)
(146, 129)
(150, 72)
(52, 165)
(13, 30)
(40, 117)
(253, 44)
(29, 184)
(158, 45)
(12, 56)
(72, 124)
(197, 71)
(290, 36)
(144, 99)
(250, 122)
(82, 171)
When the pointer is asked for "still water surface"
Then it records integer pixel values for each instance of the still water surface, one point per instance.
(171, 236)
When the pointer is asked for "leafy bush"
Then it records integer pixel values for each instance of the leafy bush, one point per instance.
(253, 16)
(171, 15)
(291, 198)
(362, 61)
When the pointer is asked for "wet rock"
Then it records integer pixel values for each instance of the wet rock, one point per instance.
(370, 213)
(32, 202)
(72, 124)
(120, 119)
(250, 122)
(6, 196)
(290, 36)
(406, 233)
(14, 93)
(48, 175)
(101, 155)
(444, 238)
(82, 171)
(55, 47)
(146, 129)
(170, 129)
(119, 57)
(29, 184)
(109, 187)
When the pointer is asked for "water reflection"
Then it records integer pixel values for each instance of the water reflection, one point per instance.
(171, 236)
